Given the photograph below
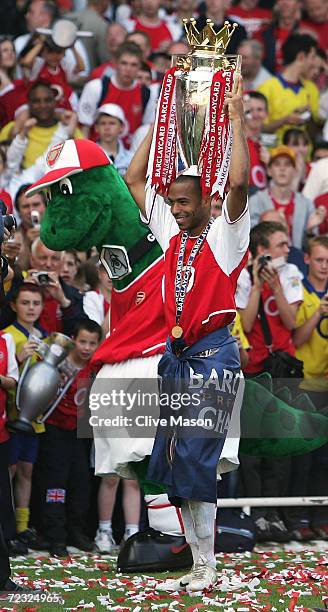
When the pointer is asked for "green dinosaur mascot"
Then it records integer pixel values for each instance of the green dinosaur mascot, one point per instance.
(88, 204)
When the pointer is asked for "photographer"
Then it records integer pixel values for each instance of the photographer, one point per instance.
(63, 304)
(271, 289)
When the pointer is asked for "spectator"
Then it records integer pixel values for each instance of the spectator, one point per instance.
(159, 31)
(280, 196)
(122, 88)
(216, 10)
(292, 100)
(41, 106)
(13, 94)
(253, 73)
(92, 19)
(104, 540)
(295, 256)
(42, 14)
(111, 127)
(96, 303)
(320, 150)
(27, 303)
(316, 22)
(300, 143)
(316, 188)
(310, 338)
(62, 303)
(28, 230)
(9, 378)
(64, 465)
(45, 61)
(286, 19)
(256, 111)
(115, 37)
(250, 15)
(69, 266)
(277, 286)
(183, 9)
(8, 61)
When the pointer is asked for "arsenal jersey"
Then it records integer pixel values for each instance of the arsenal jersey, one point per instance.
(209, 302)
(136, 319)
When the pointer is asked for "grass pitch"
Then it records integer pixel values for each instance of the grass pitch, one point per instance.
(264, 581)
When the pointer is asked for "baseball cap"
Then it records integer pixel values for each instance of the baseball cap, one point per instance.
(114, 110)
(283, 150)
(64, 33)
(69, 157)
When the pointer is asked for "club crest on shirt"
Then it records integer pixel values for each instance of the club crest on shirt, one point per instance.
(140, 297)
(54, 153)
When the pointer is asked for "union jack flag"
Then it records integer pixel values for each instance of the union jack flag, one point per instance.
(56, 495)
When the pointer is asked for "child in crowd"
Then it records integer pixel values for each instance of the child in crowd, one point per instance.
(27, 303)
(46, 62)
(64, 458)
(111, 126)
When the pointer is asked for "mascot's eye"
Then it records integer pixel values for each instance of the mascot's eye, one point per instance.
(47, 194)
(66, 187)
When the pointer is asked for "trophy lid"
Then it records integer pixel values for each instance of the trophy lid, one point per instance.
(207, 39)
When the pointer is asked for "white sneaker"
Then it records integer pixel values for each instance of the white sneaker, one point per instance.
(203, 576)
(175, 584)
(104, 541)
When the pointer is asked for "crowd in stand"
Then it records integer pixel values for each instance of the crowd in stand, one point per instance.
(105, 86)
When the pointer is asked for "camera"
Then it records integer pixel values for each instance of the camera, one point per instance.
(264, 260)
(43, 278)
(35, 218)
(9, 222)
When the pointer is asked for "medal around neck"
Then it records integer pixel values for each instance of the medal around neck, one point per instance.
(191, 127)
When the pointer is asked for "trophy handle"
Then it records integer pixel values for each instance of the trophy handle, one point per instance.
(60, 395)
(21, 379)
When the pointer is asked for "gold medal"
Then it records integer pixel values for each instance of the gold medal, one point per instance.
(177, 331)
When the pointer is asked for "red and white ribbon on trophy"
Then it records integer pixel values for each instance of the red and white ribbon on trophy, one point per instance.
(163, 157)
(216, 144)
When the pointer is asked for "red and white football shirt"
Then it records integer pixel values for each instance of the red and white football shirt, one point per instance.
(253, 19)
(209, 302)
(290, 279)
(137, 323)
(258, 176)
(159, 35)
(65, 415)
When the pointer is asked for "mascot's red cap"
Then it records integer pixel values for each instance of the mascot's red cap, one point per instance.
(69, 157)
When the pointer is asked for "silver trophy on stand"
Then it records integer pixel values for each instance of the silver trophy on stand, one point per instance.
(194, 80)
(42, 385)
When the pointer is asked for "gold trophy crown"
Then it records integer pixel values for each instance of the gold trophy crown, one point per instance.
(207, 39)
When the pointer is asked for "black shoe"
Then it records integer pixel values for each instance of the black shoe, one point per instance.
(79, 540)
(16, 547)
(263, 533)
(58, 549)
(279, 531)
(152, 550)
(33, 540)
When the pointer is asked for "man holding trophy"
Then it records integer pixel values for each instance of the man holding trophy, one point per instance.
(200, 125)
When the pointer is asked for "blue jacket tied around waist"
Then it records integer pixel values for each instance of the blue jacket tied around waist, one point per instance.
(186, 451)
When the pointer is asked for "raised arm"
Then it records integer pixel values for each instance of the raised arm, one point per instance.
(239, 163)
(135, 177)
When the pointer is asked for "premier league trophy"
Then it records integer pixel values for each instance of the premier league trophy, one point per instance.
(192, 132)
(42, 385)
